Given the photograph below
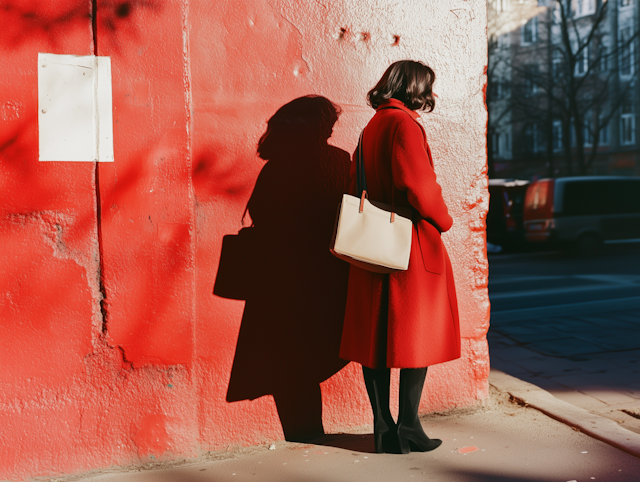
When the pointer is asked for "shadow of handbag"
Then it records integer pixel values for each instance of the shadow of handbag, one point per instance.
(369, 234)
(240, 265)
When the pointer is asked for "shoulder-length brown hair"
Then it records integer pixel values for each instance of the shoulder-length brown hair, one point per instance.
(408, 81)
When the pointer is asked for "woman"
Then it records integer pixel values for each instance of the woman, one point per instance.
(407, 319)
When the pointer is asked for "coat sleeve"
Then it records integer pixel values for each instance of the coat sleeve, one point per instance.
(413, 173)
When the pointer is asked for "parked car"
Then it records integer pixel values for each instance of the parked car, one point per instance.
(504, 219)
(582, 213)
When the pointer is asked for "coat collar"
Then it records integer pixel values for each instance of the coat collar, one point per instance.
(395, 103)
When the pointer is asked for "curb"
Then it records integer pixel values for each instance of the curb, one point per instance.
(598, 427)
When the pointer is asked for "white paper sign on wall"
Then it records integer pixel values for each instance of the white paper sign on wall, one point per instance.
(75, 120)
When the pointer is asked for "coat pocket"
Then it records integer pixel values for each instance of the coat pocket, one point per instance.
(431, 247)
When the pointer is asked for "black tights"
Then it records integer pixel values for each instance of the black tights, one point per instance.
(407, 433)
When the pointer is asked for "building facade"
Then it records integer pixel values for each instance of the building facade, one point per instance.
(563, 95)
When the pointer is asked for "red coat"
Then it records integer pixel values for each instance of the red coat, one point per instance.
(407, 319)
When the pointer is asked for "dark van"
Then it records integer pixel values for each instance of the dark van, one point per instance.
(504, 219)
(582, 213)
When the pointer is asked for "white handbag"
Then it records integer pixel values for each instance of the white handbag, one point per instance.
(369, 234)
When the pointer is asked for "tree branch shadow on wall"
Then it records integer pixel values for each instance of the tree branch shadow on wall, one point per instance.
(51, 22)
(41, 204)
(295, 291)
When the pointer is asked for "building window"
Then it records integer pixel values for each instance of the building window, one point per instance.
(497, 144)
(627, 124)
(603, 58)
(493, 89)
(603, 135)
(587, 136)
(537, 139)
(529, 141)
(530, 80)
(583, 7)
(556, 16)
(503, 41)
(499, 89)
(557, 63)
(627, 129)
(501, 5)
(501, 144)
(582, 62)
(626, 51)
(556, 142)
(532, 139)
(529, 32)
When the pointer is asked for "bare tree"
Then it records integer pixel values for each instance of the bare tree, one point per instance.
(571, 81)
(497, 92)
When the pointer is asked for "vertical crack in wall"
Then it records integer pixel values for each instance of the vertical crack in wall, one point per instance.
(103, 292)
(94, 25)
(188, 102)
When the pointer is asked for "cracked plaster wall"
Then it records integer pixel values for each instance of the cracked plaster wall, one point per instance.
(145, 376)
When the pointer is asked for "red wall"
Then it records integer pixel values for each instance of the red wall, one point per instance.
(114, 348)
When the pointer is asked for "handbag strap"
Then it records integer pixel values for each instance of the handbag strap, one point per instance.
(361, 179)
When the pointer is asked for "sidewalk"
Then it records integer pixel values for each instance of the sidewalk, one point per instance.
(590, 359)
(498, 442)
(588, 362)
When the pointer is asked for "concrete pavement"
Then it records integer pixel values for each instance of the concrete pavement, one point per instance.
(588, 356)
(502, 440)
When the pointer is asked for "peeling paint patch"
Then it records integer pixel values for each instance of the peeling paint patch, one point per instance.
(477, 201)
(477, 205)
(54, 226)
(12, 110)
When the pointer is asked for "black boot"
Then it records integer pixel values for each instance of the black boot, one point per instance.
(377, 382)
(411, 436)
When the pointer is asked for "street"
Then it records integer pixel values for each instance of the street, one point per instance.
(571, 325)
(534, 280)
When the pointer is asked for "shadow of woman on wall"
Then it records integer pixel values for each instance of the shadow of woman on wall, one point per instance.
(295, 290)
